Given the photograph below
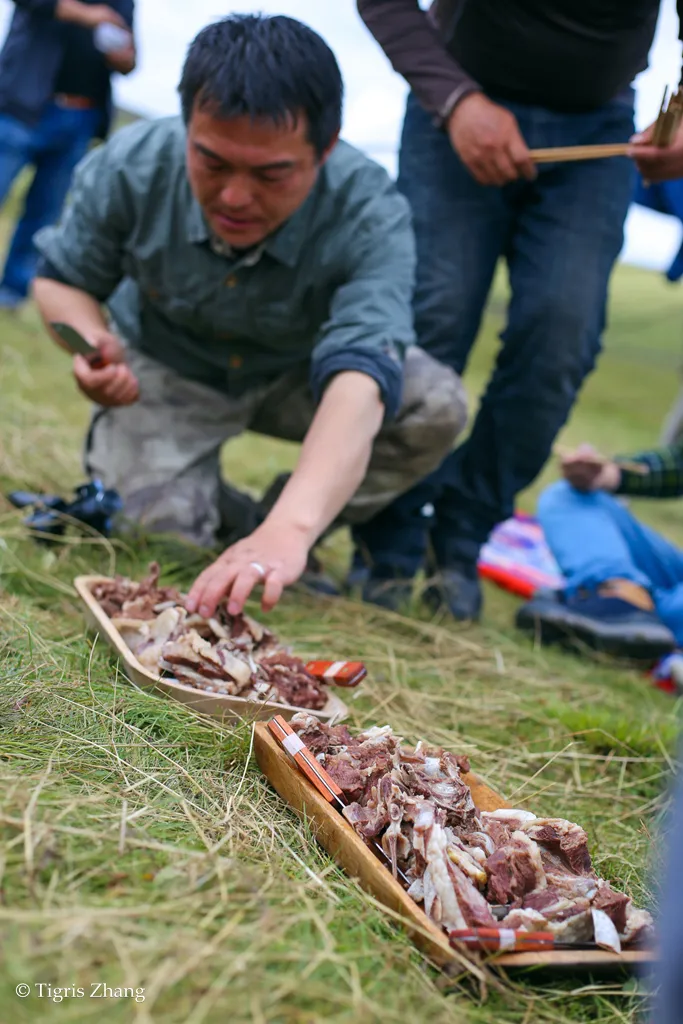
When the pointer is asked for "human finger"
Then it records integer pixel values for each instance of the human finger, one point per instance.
(485, 171)
(272, 590)
(521, 158)
(123, 386)
(88, 376)
(506, 169)
(246, 579)
(216, 582)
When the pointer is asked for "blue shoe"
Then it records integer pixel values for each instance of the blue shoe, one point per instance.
(617, 618)
(10, 300)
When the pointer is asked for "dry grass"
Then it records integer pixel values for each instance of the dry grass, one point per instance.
(141, 848)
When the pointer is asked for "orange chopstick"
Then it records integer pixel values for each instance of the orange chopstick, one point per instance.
(496, 940)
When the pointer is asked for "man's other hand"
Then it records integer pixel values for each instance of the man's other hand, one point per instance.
(114, 384)
(273, 555)
(122, 61)
(658, 163)
(487, 139)
(587, 470)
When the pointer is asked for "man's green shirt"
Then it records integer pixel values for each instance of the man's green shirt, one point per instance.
(331, 289)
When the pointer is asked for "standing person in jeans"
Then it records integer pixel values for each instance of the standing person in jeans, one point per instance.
(55, 97)
(492, 79)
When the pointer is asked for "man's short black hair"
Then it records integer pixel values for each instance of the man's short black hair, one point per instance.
(265, 67)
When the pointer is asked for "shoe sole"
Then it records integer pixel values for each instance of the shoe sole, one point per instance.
(577, 635)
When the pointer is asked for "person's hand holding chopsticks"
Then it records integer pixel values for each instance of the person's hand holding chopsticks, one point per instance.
(658, 163)
(487, 139)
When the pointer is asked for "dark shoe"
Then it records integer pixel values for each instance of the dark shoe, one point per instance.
(456, 591)
(315, 581)
(359, 572)
(392, 594)
(617, 618)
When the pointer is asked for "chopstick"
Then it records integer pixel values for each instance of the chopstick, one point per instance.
(339, 673)
(665, 128)
(323, 782)
(510, 940)
(563, 154)
(494, 940)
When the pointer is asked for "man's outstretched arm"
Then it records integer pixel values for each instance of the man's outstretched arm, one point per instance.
(333, 462)
(356, 375)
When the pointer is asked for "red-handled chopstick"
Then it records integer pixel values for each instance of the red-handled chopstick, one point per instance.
(498, 940)
(340, 673)
(323, 782)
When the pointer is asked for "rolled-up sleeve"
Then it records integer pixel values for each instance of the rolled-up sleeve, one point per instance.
(86, 247)
(371, 321)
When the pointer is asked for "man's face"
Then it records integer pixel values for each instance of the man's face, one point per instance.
(248, 176)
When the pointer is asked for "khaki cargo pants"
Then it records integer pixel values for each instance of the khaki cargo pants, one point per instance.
(162, 454)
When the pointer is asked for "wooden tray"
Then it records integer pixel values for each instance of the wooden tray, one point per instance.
(337, 836)
(216, 705)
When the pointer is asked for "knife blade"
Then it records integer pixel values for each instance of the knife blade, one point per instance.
(77, 345)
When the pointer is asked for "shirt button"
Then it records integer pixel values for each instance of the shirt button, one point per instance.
(235, 362)
(231, 281)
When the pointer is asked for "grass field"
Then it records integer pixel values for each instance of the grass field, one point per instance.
(141, 848)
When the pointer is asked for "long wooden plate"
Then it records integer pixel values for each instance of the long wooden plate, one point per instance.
(336, 836)
(216, 705)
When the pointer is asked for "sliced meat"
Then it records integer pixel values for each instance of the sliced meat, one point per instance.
(514, 870)
(347, 777)
(605, 934)
(473, 905)
(639, 926)
(614, 904)
(562, 837)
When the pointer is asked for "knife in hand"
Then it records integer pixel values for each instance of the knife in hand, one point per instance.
(77, 345)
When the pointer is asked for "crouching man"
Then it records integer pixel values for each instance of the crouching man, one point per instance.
(257, 274)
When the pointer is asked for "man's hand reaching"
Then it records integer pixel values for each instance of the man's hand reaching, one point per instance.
(587, 470)
(274, 556)
(114, 384)
(487, 139)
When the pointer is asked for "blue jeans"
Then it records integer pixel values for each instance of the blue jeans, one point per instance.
(560, 237)
(53, 146)
(595, 538)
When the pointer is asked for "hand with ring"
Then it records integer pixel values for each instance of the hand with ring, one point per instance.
(273, 556)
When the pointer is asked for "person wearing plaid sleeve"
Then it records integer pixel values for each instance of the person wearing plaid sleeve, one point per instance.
(624, 593)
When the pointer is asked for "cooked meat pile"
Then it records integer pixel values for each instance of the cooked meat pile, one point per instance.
(225, 655)
(460, 861)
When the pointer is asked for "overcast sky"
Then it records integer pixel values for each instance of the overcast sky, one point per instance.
(374, 94)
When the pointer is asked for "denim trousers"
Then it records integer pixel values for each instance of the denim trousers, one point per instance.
(560, 236)
(53, 147)
(594, 537)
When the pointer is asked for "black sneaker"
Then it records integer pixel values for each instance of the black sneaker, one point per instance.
(359, 572)
(605, 623)
(315, 581)
(456, 591)
(393, 594)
